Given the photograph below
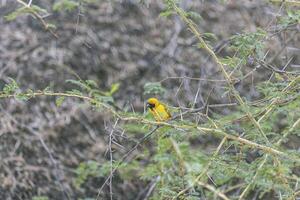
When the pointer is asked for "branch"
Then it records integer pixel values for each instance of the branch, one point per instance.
(291, 2)
(193, 28)
(123, 159)
(254, 177)
(266, 149)
(39, 17)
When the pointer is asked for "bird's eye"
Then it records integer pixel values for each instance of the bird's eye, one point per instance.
(149, 105)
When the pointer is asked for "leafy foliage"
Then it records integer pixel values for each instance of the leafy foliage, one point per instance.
(25, 10)
(59, 101)
(248, 44)
(67, 5)
(90, 169)
(11, 87)
(40, 198)
(293, 17)
(154, 88)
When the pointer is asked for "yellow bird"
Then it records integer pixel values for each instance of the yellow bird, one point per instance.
(158, 110)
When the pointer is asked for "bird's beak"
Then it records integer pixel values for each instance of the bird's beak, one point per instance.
(149, 105)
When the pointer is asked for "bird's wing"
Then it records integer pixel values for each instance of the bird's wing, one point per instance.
(167, 111)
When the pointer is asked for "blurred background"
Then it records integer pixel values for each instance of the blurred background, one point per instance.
(115, 42)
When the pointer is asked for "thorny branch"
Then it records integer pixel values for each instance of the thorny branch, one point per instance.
(39, 17)
(111, 138)
(266, 149)
(235, 93)
(124, 157)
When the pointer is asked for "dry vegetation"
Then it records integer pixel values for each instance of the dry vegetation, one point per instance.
(53, 147)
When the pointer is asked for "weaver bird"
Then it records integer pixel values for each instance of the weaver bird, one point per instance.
(158, 110)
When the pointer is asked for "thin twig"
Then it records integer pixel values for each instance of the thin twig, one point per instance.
(152, 187)
(29, 3)
(213, 189)
(111, 158)
(198, 178)
(191, 78)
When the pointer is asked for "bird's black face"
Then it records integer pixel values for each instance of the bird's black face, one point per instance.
(151, 106)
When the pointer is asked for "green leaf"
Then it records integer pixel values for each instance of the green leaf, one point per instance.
(40, 198)
(65, 5)
(232, 62)
(209, 36)
(79, 83)
(91, 83)
(47, 89)
(86, 169)
(59, 101)
(38, 9)
(249, 44)
(11, 87)
(51, 26)
(114, 88)
(22, 97)
(166, 13)
(104, 99)
(25, 10)
(293, 16)
(194, 16)
(75, 92)
(16, 13)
